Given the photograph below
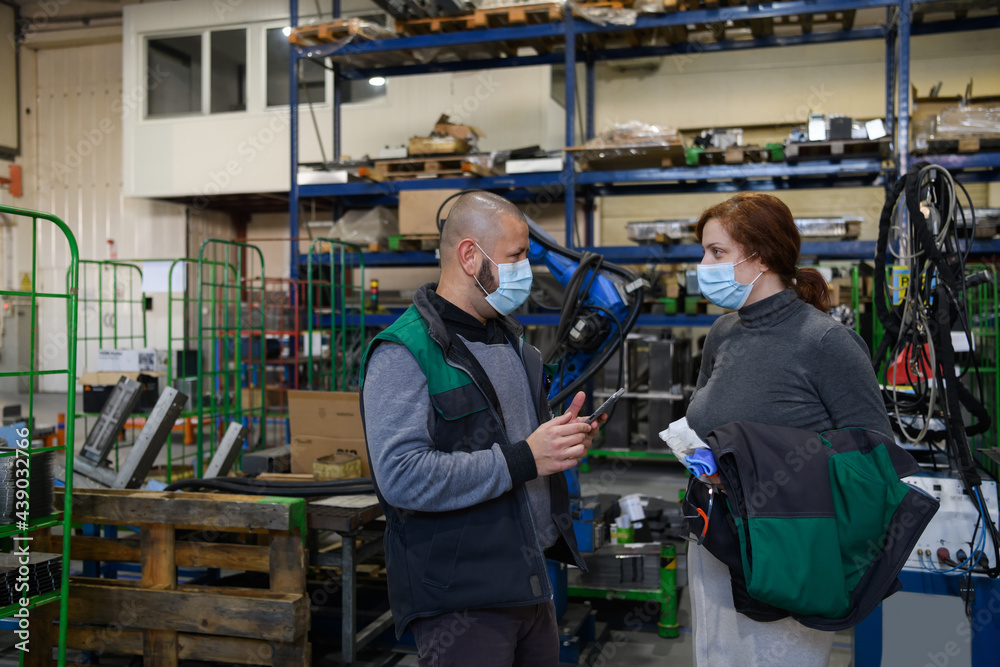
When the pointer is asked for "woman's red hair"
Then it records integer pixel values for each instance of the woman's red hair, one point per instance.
(762, 224)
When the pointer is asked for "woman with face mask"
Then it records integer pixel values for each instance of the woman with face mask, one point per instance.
(781, 360)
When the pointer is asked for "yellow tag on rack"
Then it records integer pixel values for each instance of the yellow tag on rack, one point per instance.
(900, 280)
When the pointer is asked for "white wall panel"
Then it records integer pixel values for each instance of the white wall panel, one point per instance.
(75, 149)
(249, 151)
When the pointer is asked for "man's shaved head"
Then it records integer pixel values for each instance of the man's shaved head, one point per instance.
(483, 231)
(480, 216)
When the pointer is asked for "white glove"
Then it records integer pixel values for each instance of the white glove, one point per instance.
(681, 439)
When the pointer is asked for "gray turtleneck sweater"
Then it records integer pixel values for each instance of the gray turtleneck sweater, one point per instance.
(780, 361)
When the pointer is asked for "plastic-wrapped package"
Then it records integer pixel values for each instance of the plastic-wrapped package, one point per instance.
(649, 6)
(364, 31)
(631, 145)
(491, 4)
(605, 15)
(976, 120)
(362, 226)
(678, 231)
(634, 133)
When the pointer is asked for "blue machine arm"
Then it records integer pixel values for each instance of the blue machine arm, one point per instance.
(601, 305)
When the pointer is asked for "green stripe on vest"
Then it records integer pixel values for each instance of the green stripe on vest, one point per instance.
(411, 331)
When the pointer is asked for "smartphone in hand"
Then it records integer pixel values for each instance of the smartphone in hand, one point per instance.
(606, 406)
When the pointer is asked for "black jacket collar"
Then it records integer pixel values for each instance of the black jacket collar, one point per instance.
(445, 319)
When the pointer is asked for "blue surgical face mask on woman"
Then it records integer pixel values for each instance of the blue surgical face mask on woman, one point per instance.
(717, 283)
(514, 285)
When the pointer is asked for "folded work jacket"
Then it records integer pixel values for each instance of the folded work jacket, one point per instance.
(812, 525)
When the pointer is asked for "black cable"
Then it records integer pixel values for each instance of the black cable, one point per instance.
(936, 299)
(438, 220)
(362, 485)
(254, 481)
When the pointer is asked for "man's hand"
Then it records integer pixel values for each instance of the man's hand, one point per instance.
(588, 440)
(559, 443)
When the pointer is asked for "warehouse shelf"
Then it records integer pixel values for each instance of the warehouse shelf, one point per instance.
(369, 58)
(513, 182)
(987, 165)
(726, 178)
(576, 26)
(38, 478)
(769, 176)
(668, 254)
(623, 53)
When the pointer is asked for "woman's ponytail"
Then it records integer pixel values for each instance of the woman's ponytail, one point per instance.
(811, 287)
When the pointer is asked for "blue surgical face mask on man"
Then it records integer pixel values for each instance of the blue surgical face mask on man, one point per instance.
(514, 285)
(717, 283)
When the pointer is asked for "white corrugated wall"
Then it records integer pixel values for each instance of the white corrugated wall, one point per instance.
(72, 116)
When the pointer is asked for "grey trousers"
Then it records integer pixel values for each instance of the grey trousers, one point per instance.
(501, 637)
(724, 637)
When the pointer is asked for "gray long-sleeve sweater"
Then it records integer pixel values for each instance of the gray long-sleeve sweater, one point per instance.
(780, 361)
(412, 474)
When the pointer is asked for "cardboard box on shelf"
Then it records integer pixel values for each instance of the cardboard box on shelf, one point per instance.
(438, 146)
(322, 423)
(464, 132)
(97, 387)
(418, 210)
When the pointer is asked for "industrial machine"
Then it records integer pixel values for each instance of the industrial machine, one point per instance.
(923, 318)
(93, 461)
(600, 305)
(929, 364)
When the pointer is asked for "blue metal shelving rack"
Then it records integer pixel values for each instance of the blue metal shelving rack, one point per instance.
(896, 33)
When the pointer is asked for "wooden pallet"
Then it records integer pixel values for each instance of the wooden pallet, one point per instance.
(495, 17)
(168, 621)
(323, 33)
(734, 155)
(629, 157)
(432, 167)
(720, 31)
(837, 150)
(492, 17)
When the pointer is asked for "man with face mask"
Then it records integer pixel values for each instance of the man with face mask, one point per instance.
(466, 457)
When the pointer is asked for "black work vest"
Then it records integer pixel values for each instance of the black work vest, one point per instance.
(487, 555)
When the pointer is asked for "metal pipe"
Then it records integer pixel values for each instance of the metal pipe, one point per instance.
(569, 184)
(667, 625)
(903, 88)
(293, 110)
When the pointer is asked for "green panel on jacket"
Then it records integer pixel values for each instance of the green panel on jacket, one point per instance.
(789, 557)
(863, 518)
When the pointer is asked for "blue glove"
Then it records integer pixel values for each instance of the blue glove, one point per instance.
(701, 462)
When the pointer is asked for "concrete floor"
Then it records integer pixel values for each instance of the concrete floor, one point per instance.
(625, 648)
